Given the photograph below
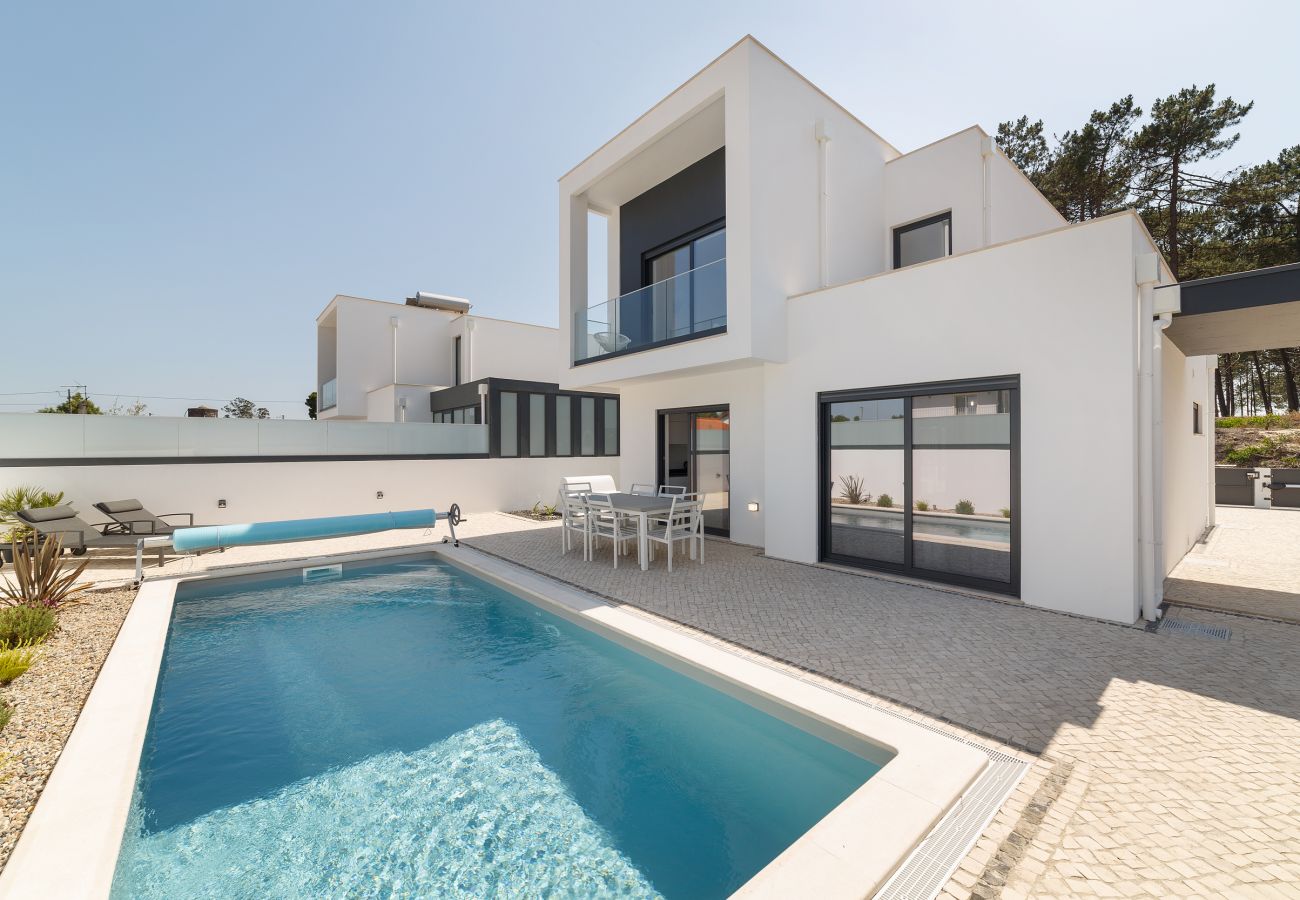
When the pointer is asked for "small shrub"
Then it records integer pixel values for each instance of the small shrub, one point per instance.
(5, 712)
(852, 490)
(41, 577)
(922, 505)
(1290, 420)
(25, 625)
(542, 510)
(1252, 454)
(964, 508)
(1006, 512)
(886, 501)
(14, 661)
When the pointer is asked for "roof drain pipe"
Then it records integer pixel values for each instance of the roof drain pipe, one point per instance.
(1150, 441)
(986, 151)
(823, 223)
(396, 323)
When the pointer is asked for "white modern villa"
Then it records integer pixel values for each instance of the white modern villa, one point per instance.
(906, 362)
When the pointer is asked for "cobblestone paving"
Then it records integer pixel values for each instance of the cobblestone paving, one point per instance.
(1170, 764)
(1250, 564)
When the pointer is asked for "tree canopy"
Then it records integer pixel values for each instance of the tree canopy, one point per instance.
(1206, 222)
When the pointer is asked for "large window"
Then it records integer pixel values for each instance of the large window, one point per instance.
(923, 480)
(692, 303)
(462, 415)
(924, 240)
(541, 424)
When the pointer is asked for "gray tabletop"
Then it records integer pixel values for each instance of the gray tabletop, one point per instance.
(636, 503)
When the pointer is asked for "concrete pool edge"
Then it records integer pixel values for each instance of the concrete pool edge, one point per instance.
(857, 846)
(852, 851)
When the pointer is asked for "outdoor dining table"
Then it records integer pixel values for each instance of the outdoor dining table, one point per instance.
(643, 508)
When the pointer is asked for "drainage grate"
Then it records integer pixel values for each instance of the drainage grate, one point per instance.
(931, 864)
(1194, 629)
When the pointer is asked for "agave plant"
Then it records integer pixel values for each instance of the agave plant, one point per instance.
(41, 577)
(852, 490)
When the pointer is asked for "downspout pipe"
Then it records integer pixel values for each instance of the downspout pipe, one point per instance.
(823, 198)
(1158, 458)
(986, 206)
(1150, 466)
(396, 323)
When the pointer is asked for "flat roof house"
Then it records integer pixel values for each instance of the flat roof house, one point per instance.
(906, 362)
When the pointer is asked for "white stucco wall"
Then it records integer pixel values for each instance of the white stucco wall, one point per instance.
(1188, 472)
(740, 389)
(1064, 323)
(256, 491)
(364, 350)
(948, 175)
(784, 251)
(497, 348)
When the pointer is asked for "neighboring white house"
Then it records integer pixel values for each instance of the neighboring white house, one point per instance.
(379, 361)
(900, 361)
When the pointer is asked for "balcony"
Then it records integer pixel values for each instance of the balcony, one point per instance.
(689, 305)
(329, 394)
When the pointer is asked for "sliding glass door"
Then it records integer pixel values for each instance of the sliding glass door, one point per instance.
(695, 453)
(923, 480)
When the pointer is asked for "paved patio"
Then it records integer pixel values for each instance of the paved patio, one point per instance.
(1250, 564)
(1171, 764)
(1168, 765)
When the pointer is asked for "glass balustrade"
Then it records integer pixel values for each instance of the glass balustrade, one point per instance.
(688, 305)
(329, 394)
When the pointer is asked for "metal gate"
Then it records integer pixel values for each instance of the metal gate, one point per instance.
(1262, 487)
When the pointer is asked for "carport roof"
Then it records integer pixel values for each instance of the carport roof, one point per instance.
(1255, 310)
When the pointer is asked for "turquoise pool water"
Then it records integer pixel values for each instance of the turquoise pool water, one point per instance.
(412, 731)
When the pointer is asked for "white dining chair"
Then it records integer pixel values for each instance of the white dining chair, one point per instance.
(671, 490)
(573, 509)
(642, 490)
(605, 521)
(684, 522)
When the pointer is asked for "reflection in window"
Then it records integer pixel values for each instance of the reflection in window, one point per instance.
(866, 480)
(922, 241)
(961, 474)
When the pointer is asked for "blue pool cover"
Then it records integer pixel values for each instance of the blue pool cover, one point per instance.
(216, 537)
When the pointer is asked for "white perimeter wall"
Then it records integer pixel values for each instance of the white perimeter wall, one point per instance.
(1189, 466)
(1064, 321)
(742, 390)
(268, 491)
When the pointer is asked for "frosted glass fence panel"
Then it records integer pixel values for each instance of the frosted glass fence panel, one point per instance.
(217, 437)
(130, 436)
(292, 438)
(53, 436)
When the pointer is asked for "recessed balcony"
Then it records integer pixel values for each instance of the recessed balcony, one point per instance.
(689, 305)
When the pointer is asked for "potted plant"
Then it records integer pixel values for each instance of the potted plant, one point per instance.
(12, 502)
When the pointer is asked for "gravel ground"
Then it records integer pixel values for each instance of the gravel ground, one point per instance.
(46, 702)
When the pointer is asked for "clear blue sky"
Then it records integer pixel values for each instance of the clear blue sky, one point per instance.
(183, 186)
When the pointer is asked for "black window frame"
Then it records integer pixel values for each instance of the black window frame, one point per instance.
(900, 230)
(455, 353)
(907, 392)
(524, 391)
(1197, 428)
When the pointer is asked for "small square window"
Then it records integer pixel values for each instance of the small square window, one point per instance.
(923, 241)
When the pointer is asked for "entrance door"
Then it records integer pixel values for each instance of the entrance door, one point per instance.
(695, 453)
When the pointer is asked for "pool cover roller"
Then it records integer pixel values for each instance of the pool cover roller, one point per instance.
(218, 537)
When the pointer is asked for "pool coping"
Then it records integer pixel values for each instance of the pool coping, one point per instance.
(851, 852)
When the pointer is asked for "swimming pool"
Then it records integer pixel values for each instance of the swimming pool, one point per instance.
(411, 729)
